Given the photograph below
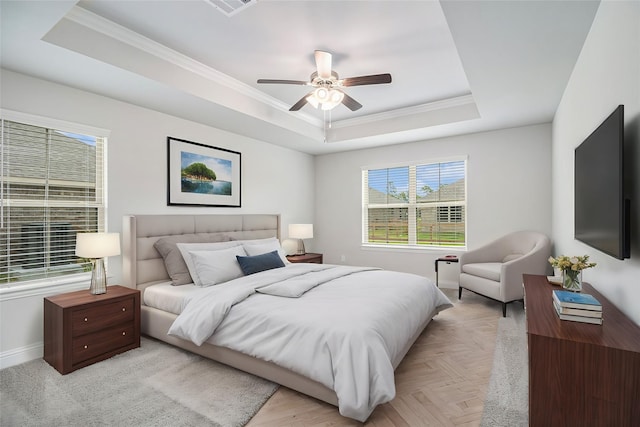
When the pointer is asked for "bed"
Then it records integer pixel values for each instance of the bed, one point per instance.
(319, 329)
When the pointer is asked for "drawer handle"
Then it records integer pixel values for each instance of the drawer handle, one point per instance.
(86, 347)
(86, 320)
(124, 309)
(124, 333)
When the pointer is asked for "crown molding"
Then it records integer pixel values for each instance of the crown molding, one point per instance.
(115, 31)
(408, 111)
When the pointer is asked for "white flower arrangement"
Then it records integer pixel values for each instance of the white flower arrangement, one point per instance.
(575, 263)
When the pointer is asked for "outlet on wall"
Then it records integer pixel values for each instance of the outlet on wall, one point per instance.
(343, 258)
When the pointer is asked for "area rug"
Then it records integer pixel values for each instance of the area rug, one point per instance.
(154, 385)
(507, 401)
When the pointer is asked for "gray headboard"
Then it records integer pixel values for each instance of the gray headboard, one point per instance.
(143, 265)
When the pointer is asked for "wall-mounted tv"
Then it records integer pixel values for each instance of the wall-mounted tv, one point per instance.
(602, 213)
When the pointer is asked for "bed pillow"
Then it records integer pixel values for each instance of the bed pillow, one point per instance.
(173, 260)
(254, 249)
(258, 263)
(219, 266)
(186, 248)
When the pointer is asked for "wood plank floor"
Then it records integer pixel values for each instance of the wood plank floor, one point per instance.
(441, 382)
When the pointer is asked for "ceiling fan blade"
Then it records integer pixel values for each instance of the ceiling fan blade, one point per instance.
(374, 79)
(351, 103)
(298, 105)
(323, 64)
(285, 82)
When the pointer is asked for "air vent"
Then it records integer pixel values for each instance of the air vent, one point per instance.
(231, 7)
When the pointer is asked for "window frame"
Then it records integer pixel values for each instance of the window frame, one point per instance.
(412, 207)
(71, 280)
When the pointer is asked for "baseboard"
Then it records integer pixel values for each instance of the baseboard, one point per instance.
(20, 355)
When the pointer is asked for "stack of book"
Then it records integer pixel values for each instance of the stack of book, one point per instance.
(577, 307)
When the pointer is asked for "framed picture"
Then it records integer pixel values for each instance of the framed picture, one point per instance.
(199, 174)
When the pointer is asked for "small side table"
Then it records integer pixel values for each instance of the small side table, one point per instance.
(448, 259)
(308, 257)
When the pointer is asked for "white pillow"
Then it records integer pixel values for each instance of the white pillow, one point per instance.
(185, 248)
(254, 249)
(214, 267)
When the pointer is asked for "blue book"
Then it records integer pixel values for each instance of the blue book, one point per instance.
(576, 300)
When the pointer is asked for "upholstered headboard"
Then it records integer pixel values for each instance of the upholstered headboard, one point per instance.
(142, 264)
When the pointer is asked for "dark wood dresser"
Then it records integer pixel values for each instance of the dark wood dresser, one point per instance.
(580, 374)
(81, 328)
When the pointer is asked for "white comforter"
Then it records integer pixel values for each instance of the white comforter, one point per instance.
(344, 330)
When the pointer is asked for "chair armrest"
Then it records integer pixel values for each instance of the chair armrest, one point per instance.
(534, 262)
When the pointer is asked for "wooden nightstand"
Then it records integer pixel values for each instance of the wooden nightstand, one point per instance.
(81, 328)
(308, 257)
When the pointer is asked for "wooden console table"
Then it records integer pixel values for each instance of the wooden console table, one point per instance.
(580, 374)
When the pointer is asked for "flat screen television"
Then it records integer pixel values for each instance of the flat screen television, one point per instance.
(602, 213)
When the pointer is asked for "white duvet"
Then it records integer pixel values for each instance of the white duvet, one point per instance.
(340, 326)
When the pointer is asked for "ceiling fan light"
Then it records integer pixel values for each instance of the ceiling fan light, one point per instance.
(328, 106)
(321, 94)
(336, 96)
(311, 99)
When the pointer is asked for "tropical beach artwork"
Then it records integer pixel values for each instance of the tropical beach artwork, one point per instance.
(204, 174)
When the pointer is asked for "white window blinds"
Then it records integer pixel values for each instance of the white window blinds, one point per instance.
(52, 188)
(419, 205)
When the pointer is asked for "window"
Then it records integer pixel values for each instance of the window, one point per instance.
(52, 187)
(421, 205)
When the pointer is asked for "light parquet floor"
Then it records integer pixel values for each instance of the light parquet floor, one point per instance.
(441, 382)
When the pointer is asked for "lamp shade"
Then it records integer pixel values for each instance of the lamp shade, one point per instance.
(97, 245)
(301, 231)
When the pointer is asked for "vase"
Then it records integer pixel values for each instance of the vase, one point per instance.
(572, 280)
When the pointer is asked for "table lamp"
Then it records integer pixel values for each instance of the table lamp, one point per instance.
(300, 232)
(97, 246)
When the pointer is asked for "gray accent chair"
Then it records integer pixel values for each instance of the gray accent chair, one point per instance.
(495, 270)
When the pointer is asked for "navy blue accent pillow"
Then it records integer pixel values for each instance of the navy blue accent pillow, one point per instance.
(258, 263)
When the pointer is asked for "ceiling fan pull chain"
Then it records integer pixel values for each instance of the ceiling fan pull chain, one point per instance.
(324, 124)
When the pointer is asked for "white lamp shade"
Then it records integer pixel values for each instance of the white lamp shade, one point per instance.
(313, 101)
(321, 94)
(97, 245)
(301, 231)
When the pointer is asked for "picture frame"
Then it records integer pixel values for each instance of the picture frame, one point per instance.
(202, 175)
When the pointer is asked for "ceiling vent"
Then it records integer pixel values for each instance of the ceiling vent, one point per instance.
(231, 7)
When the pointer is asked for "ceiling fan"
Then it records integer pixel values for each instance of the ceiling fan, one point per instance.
(327, 92)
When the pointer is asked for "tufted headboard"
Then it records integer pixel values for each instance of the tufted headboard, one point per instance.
(142, 265)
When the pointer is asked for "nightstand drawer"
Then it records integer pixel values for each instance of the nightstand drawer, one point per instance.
(96, 344)
(101, 316)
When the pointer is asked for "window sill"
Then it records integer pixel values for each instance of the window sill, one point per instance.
(413, 249)
(45, 286)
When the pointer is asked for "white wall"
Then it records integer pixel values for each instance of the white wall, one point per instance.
(606, 74)
(508, 184)
(137, 169)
